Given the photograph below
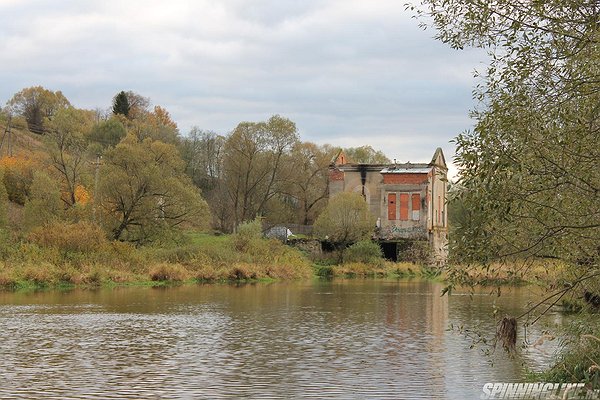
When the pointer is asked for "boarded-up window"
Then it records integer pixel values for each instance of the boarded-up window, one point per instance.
(416, 206)
(403, 206)
(391, 206)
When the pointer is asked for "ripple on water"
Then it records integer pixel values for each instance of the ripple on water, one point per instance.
(361, 340)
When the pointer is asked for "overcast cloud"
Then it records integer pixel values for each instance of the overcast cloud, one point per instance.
(348, 72)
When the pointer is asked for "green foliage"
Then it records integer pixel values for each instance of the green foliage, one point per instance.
(366, 155)
(528, 173)
(254, 165)
(108, 133)
(66, 146)
(345, 220)
(37, 104)
(580, 356)
(3, 203)
(44, 205)
(323, 271)
(144, 191)
(121, 104)
(247, 235)
(365, 251)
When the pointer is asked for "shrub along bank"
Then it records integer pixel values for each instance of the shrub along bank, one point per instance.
(64, 253)
(78, 254)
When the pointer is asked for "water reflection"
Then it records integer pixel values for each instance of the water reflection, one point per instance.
(339, 339)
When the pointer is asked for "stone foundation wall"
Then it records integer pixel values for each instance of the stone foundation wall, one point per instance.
(309, 246)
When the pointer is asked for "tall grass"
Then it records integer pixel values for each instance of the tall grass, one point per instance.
(79, 254)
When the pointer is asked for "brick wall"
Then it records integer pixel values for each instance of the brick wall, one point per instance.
(336, 175)
(410, 179)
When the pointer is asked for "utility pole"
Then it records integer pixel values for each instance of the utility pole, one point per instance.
(8, 137)
(96, 180)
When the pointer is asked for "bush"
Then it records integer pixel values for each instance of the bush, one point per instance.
(416, 251)
(247, 235)
(81, 236)
(174, 254)
(207, 273)
(42, 274)
(168, 272)
(578, 357)
(345, 220)
(44, 204)
(17, 177)
(323, 271)
(359, 269)
(7, 277)
(365, 251)
(242, 271)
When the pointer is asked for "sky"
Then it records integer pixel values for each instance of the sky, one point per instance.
(347, 72)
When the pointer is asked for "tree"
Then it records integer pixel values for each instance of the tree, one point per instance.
(366, 155)
(253, 164)
(308, 183)
(528, 171)
(130, 104)
(108, 133)
(138, 104)
(528, 167)
(155, 125)
(37, 104)
(121, 104)
(44, 204)
(202, 152)
(144, 191)
(66, 146)
(344, 221)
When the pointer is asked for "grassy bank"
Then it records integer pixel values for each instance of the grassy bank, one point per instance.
(67, 254)
(76, 255)
(547, 272)
(194, 257)
(378, 269)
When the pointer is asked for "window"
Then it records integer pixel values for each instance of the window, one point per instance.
(403, 206)
(416, 206)
(391, 206)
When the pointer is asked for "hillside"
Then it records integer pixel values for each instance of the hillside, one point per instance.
(22, 142)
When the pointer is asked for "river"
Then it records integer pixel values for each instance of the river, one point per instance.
(310, 339)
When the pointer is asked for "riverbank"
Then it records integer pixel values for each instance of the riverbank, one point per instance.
(201, 257)
(197, 258)
(191, 258)
(546, 272)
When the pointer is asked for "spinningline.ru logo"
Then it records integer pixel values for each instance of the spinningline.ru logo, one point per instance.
(538, 390)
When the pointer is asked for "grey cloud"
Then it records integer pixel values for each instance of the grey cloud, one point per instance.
(346, 71)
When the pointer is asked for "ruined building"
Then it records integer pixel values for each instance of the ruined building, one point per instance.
(409, 201)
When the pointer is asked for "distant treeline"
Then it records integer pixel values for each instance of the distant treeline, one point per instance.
(129, 170)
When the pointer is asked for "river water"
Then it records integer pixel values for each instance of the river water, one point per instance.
(318, 339)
